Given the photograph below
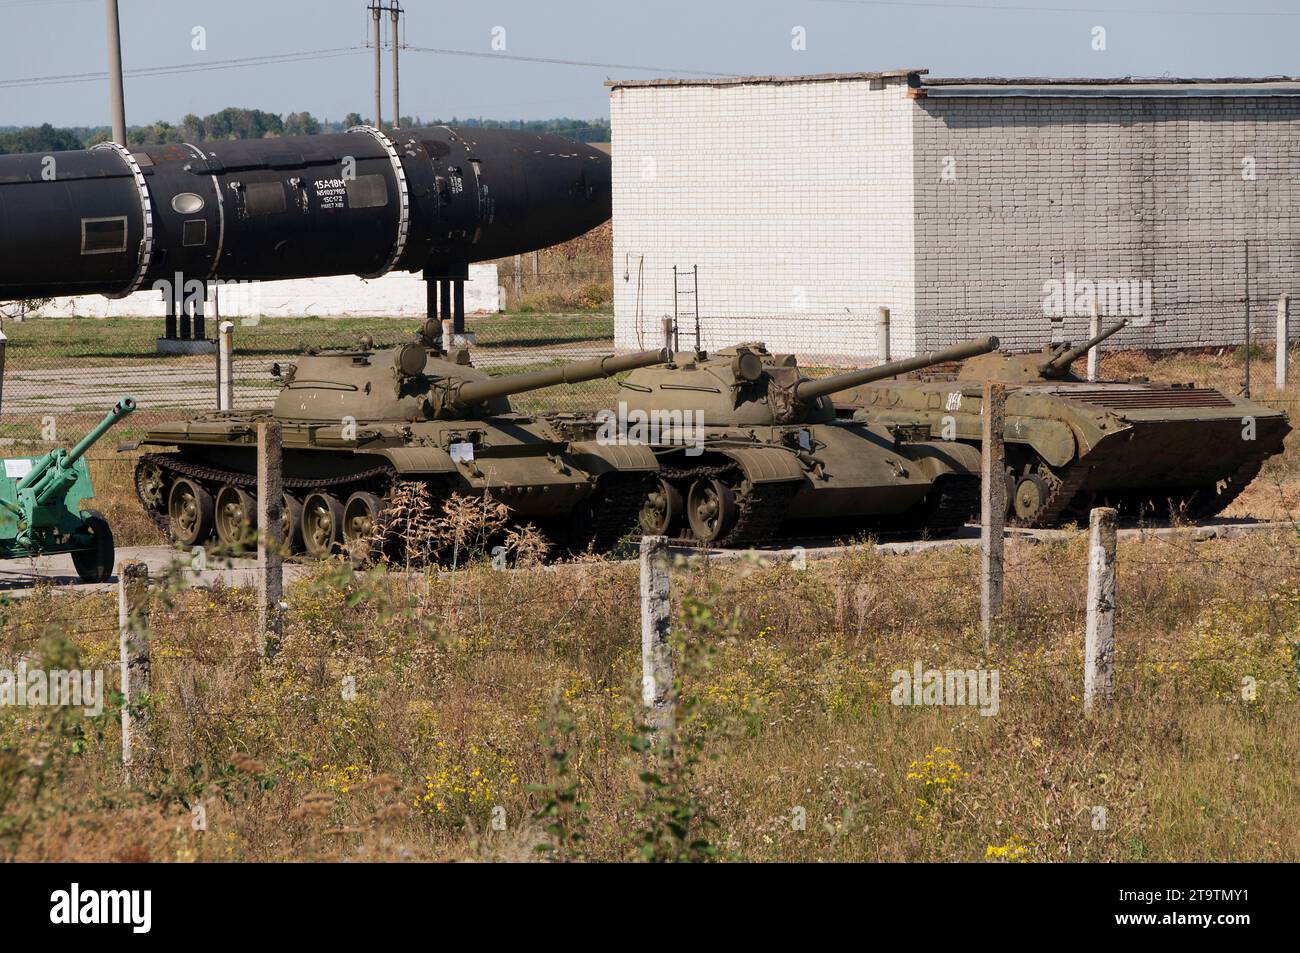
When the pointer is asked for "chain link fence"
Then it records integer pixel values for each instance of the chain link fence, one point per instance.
(61, 375)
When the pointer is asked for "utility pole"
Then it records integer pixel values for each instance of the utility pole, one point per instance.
(116, 99)
(375, 9)
(396, 11)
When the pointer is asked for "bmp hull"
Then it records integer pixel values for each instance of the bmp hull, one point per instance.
(1148, 449)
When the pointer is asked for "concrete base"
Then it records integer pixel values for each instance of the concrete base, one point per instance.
(182, 346)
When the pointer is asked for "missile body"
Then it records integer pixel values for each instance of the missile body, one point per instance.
(111, 221)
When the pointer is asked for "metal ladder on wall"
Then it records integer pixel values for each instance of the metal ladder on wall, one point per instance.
(694, 294)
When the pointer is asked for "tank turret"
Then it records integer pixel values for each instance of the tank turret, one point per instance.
(745, 385)
(1052, 363)
(419, 382)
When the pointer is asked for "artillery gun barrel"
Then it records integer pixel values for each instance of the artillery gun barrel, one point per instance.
(121, 409)
(475, 391)
(1066, 358)
(809, 390)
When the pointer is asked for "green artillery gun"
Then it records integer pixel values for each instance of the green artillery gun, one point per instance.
(40, 505)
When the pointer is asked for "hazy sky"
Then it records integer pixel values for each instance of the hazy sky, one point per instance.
(49, 38)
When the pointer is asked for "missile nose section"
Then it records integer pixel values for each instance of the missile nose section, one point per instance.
(543, 190)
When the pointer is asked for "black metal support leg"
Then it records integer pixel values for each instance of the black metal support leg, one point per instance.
(170, 329)
(200, 313)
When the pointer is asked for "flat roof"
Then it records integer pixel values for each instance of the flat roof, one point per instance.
(765, 80)
(923, 85)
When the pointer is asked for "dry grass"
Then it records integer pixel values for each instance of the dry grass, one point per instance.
(518, 691)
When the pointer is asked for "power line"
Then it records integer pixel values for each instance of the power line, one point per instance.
(562, 62)
(68, 78)
(1024, 8)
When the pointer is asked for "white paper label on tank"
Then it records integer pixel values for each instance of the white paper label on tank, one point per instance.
(17, 469)
(461, 452)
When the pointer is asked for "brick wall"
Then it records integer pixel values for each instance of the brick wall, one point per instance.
(1147, 190)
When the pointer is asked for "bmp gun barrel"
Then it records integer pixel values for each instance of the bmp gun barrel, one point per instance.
(809, 390)
(474, 392)
(1066, 358)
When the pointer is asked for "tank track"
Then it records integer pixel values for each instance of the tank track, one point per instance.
(176, 464)
(762, 509)
(958, 502)
(1067, 499)
(1069, 502)
(615, 512)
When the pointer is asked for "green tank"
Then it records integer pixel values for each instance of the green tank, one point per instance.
(358, 423)
(746, 443)
(1145, 448)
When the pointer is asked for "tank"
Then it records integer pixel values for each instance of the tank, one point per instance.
(747, 443)
(1146, 448)
(356, 424)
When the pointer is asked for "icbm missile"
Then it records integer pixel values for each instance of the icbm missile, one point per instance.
(111, 220)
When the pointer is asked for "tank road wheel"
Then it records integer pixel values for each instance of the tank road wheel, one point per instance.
(291, 524)
(661, 514)
(710, 509)
(322, 524)
(236, 516)
(360, 517)
(95, 562)
(189, 512)
(151, 484)
(1032, 493)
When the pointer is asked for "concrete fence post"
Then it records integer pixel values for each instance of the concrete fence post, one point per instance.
(1283, 338)
(657, 691)
(4, 341)
(134, 659)
(668, 334)
(1099, 640)
(882, 336)
(1094, 328)
(519, 279)
(225, 366)
(270, 537)
(448, 334)
(993, 506)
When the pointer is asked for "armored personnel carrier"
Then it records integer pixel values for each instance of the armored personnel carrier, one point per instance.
(746, 442)
(356, 423)
(1145, 448)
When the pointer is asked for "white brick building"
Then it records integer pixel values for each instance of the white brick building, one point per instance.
(965, 206)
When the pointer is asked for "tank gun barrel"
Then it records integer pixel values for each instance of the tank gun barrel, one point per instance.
(810, 390)
(1063, 360)
(474, 392)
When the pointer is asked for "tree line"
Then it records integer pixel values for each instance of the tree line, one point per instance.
(236, 123)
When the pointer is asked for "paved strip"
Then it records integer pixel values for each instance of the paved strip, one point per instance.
(20, 576)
